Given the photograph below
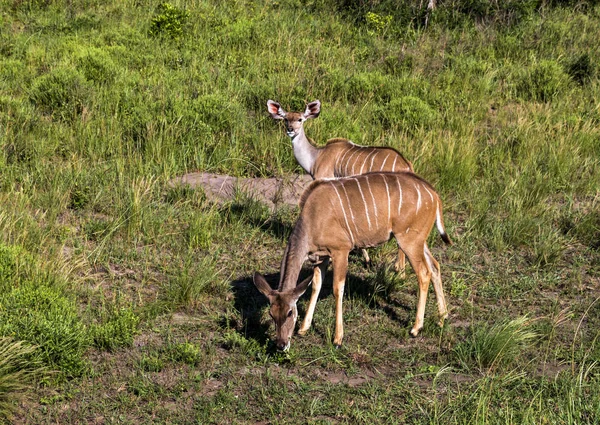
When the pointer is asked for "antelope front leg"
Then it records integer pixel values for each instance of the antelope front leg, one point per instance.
(340, 267)
(318, 275)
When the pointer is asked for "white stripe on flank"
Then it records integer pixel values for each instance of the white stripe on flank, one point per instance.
(387, 189)
(384, 161)
(371, 167)
(418, 197)
(364, 202)
(336, 164)
(394, 164)
(360, 154)
(400, 195)
(365, 161)
(343, 211)
(342, 162)
(374, 202)
(430, 194)
(350, 208)
(348, 161)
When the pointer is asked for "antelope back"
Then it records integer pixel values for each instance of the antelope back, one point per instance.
(342, 158)
(363, 210)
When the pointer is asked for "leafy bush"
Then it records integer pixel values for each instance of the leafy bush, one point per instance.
(17, 374)
(97, 66)
(187, 288)
(63, 93)
(408, 112)
(118, 327)
(489, 347)
(582, 70)
(42, 314)
(34, 307)
(151, 363)
(542, 81)
(187, 353)
(365, 85)
(216, 111)
(169, 21)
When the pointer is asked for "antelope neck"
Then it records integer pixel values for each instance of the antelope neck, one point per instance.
(293, 258)
(305, 152)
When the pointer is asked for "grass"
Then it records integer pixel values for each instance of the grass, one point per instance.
(121, 284)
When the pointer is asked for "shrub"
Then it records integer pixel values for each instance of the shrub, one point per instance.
(62, 93)
(34, 307)
(217, 112)
(97, 66)
(365, 85)
(187, 288)
(582, 70)
(490, 347)
(168, 21)
(117, 329)
(42, 314)
(186, 353)
(408, 112)
(542, 81)
(17, 374)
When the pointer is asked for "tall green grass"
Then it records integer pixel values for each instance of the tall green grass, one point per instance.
(495, 103)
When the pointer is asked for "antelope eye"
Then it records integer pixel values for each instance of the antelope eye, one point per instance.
(290, 313)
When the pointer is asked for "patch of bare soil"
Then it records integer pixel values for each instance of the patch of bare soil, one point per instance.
(274, 191)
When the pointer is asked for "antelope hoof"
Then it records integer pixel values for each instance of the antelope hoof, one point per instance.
(415, 331)
(443, 318)
(302, 332)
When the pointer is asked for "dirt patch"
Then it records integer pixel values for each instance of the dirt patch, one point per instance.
(273, 191)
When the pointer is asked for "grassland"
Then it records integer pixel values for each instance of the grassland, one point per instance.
(126, 300)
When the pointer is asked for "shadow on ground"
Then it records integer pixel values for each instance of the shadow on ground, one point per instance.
(250, 303)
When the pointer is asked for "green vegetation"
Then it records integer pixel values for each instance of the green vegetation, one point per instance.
(126, 299)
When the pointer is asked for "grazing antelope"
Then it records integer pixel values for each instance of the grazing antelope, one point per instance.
(339, 157)
(338, 215)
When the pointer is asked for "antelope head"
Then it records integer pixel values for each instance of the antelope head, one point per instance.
(283, 308)
(293, 121)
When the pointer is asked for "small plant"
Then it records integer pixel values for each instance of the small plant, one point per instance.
(490, 347)
(79, 197)
(582, 70)
(169, 21)
(151, 363)
(17, 374)
(187, 353)
(233, 339)
(377, 24)
(42, 314)
(542, 81)
(97, 66)
(187, 288)
(408, 112)
(117, 329)
(63, 93)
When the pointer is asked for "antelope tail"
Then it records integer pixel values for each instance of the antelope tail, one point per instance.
(439, 223)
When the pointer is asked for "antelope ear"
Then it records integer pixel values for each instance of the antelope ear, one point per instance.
(261, 284)
(302, 287)
(313, 109)
(275, 110)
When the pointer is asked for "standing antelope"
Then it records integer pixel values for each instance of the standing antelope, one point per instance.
(339, 157)
(361, 211)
